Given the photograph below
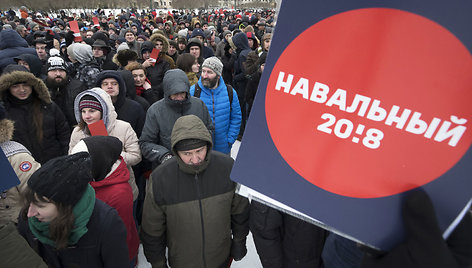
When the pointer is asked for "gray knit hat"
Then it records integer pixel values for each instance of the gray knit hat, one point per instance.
(215, 64)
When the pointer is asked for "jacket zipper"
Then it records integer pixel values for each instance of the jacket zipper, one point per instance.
(213, 106)
(201, 220)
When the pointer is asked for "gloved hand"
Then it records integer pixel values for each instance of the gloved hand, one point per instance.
(238, 249)
(424, 246)
(166, 157)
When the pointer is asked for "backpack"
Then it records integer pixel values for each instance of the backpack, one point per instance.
(198, 91)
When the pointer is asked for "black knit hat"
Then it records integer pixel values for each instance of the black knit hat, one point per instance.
(63, 179)
(189, 144)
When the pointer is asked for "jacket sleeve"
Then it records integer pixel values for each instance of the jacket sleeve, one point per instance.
(206, 118)
(131, 152)
(239, 217)
(149, 140)
(153, 230)
(62, 128)
(75, 137)
(113, 242)
(234, 119)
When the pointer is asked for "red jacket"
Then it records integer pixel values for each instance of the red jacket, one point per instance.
(116, 192)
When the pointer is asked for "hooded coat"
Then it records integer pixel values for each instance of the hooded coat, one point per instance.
(127, 109)
(34, 63)
(87, 67)
(115, 127)
(193, 211)
(56, 132)
(225, 116)
(155, 73)
(110, 182)
(11, 46)
(161, 116)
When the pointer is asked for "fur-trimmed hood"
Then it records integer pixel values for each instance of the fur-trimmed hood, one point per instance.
(163, 39)
(16, 77)
(6, 130)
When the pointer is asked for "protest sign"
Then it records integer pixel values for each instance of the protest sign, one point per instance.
(74, 27)
(359, 103)
(98, 128)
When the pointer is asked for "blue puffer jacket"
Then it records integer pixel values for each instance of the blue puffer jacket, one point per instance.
(226, 123)
(12, 45)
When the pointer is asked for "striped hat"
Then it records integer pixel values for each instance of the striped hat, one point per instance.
(89, 101)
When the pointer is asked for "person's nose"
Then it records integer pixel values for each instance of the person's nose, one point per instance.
(32, 211)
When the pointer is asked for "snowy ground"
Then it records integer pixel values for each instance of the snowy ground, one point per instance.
(250, 261)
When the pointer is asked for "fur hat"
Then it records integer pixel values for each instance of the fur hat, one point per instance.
(214, 64)
(63, 179)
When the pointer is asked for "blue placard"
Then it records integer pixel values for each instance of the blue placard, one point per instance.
(9, 178)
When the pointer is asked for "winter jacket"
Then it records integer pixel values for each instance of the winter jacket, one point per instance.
(56, 132)
(242, 50)
(87, 67)
(155, 73)
(127, 109)
(283, 241)
(64, 98)
(116, 128)
(161, 116)
(225, 116)
(115, 191)
(24, 166)
(165, 47)
(104, 244)
(195, 213)
(12, 45)
(15, 251)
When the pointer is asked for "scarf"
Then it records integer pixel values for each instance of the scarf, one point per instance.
(140, 89)
(82, 212)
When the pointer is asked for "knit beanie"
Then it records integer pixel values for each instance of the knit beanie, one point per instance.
(214, 64)
(89, 101)
(63, 179)
(189, 144)
(55, 63)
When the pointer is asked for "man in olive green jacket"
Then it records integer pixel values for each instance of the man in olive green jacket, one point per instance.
(191, 206)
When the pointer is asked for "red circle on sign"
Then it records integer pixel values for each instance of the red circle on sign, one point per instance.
(393, 57)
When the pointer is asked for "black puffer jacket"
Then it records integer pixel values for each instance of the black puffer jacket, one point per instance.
(56, 132)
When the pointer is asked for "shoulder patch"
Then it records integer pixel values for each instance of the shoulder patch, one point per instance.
(25, 166)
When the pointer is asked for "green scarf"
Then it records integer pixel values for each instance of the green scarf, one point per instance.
(82, 212)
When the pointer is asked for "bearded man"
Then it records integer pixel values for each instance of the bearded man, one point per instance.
(63, 89)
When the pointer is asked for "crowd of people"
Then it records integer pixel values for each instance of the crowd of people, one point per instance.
(120, 128)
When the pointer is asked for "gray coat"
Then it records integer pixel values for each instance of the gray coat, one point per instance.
(161, 116)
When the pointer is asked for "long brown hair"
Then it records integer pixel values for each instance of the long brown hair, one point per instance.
(37, 117)
(59, 228)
